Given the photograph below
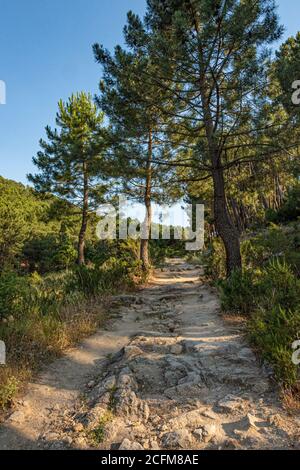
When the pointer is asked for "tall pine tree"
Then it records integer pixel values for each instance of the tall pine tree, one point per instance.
(71, 160)
(136, 125)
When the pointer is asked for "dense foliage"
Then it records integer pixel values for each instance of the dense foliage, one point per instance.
(267, 292)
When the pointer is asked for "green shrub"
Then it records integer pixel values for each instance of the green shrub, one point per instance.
(14, 292)
(268, 292)
(98, 434)
(87, 279)
(99, 252)
(215, 260)
(114, 274)
(273, 332)
(48, 293)
(290, 209)
(278, 286)
(49, 253)
(8, 391)
(270, 244)
(238, 293)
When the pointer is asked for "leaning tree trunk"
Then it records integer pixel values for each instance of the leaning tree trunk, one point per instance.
(144, 249)
(84, 221)
(224, 225)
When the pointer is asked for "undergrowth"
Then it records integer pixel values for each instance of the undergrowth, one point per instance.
(267, 293)
(40, 317)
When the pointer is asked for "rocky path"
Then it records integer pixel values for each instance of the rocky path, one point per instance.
(168, 374)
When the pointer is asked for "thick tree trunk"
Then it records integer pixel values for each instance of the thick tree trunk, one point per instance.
(236, 214)
(223, 222)
(84, 221)
(144, 249)
(224, 225)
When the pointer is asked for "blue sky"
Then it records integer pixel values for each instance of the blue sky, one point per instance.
(45, 55)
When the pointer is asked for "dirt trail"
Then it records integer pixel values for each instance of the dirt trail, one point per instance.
(169, 373)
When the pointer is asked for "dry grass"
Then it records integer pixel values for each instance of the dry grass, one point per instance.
(291, 399)
(32, 342)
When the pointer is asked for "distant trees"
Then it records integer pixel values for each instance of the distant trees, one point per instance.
(19, 217)
(37, 233)
(70, 162)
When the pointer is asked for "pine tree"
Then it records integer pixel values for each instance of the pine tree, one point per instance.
(286, 70)
(70, 162)
(136, 125)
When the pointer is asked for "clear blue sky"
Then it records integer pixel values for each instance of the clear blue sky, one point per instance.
(45, 55)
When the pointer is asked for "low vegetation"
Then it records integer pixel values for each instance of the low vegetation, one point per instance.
(48, 302)
(267, 293)
(42, 316)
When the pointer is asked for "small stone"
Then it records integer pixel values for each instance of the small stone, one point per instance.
(177, 439)
(26, 404)
(110, 382)
(128, 445)
(251, 420)
(198, 434)
(80, 442)
(78, 427)
(231, 403)
(176, 349)
(132, 351)
(209, 414)
(91, 384)
(52, 436)
(17, 417)
(156, 420)
(154, 444)
(164, 428)
(209, 432)
(69, 440)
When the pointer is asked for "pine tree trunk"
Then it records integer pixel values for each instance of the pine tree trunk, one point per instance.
(224, 225)
(144, 249)
(84, 221)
